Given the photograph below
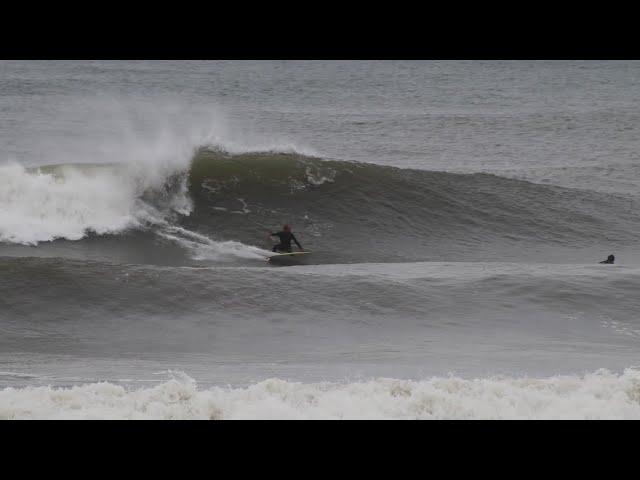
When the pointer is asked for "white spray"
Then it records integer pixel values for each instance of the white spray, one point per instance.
(139, 144)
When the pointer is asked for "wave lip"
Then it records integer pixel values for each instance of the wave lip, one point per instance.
(599, 395)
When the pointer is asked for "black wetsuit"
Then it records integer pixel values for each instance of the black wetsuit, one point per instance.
(285, 241)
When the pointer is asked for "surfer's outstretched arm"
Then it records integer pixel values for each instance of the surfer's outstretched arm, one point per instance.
(296, 240)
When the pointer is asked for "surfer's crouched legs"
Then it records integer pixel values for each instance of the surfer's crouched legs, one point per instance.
(280, 248)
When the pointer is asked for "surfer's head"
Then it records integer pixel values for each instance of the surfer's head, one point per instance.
(611, 258)
(285, 227)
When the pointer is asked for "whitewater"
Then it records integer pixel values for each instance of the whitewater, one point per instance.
(456, 213)
(601, 395)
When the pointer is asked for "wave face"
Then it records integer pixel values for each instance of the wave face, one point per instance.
(359, 212)
(600, 395)
(221, 205)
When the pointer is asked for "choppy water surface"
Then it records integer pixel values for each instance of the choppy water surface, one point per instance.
(456, 212)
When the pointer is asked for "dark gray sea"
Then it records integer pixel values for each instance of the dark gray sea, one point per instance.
(456, 214)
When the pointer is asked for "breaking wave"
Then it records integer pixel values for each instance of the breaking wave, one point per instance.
(220, 205)
(598, 395)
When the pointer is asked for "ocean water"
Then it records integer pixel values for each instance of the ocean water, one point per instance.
(456, 213)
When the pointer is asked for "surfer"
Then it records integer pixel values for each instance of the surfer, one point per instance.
(610, 259)
(285, 240)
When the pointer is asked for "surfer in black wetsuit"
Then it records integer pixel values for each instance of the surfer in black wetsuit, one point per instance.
(285, 240)
(610, 259)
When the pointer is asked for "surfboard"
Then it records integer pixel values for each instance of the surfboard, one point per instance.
(288, 255)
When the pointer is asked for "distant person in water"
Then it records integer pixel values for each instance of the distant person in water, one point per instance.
(285, 240)
(610, 259)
